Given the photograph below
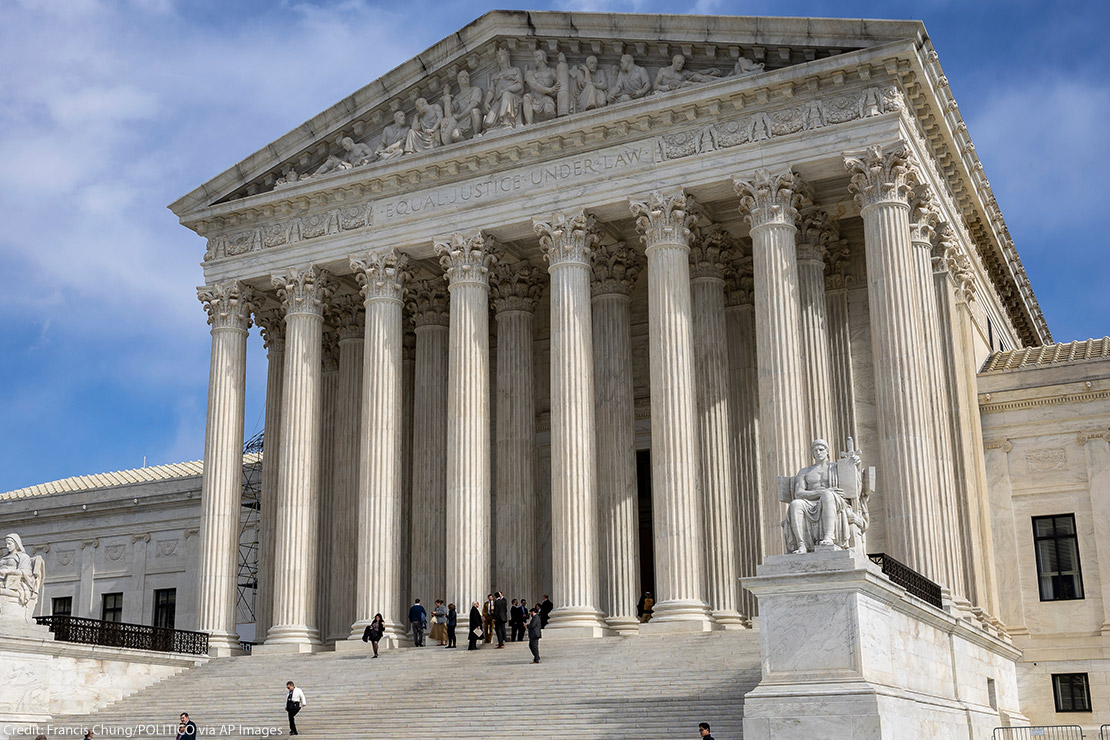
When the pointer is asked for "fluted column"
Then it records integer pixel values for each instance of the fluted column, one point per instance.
(427, 303)
(303, 293)
(770, 203)
(616, 267)
(744, 381)
(348, 314)
(566, 241)
(272, 322)
(327, 559)
(408, 401)
(882, 181)
(467, 261)
(382, 278)
(515, 290)
(817, 232)
(947, 528)
(840, 341)
(709, 258)
(664, 222)
(229, 306)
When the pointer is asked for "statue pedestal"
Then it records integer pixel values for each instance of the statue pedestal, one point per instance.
(848, 655)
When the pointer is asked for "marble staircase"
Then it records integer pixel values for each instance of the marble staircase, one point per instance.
(644, 688)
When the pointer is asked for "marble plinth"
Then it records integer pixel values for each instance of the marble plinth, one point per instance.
(848, 655)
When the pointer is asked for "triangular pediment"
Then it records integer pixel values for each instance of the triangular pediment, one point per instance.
(583, 54)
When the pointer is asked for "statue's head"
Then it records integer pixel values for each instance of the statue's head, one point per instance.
(464, 78)
(541, 57)
(399, 117)
(678, 61)
(591, 63)
(421, 104)
(820, 449)
(13, 544)
(503, 56)
(626, 62)
(347, 143)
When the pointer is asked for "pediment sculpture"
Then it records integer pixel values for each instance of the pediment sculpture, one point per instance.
(21, 579)
(827, 501)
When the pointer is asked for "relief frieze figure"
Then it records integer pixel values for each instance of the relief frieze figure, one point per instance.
(504, 96)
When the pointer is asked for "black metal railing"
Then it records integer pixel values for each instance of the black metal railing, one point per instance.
(246, 646)
(124, 635)
(908, 578)
(1041, 732)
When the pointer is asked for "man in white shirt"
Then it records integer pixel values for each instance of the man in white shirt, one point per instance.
(294, 700)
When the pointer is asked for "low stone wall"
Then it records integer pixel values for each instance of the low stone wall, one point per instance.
(40, 677)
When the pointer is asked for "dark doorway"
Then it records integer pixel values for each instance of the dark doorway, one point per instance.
(647, 534)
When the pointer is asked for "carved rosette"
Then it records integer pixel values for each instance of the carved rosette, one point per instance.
(666, 218)
(616, 267)
(381, 275)
(428, 303)
(348, 314)
(711, 253)
(272, 323)
(468, 259)
(567, 238)
(229, 304)
(772, 198)
(304, 289)
(923, 219)
(516, 287)
(882, 176)
(739, 277)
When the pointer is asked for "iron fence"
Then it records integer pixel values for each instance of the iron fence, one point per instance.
(1040, 732)
(124, 635)
(908, 578)
(1104, 732)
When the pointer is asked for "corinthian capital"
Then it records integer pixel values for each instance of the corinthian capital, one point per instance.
(381, 275)
(665, 218)
(329, 349)
(272, 322)
(229, 304)
(711, 253)
(468, 259)
(772, 198)
(616, 267)
(881, 176)
(428, 302)
(739, 278)
(303, 289)
(949, 256)
(348, 316)
(567, 238)
(516, 287)
(923, 220)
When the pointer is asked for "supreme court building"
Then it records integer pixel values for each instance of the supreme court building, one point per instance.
(549, 308)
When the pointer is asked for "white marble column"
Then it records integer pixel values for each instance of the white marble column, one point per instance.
(229, 307)
(566, 241)
(515, 290)
(467, 261)
(818, 231)
(303, 292)
(744, 381)
(408, 402)
(923, 220)
(882, 181)
(348, 314)
(382, 279)
(615, 270)
(329, 404)
(427, 303)
(709, 257)
(770, 204)
(1096, 447)
(664, 221)
(272, 322)
(841, 374)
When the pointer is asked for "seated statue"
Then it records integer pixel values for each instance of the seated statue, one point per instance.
(392, 144)
(591, 85)
(356, 153)
(462, 113)
(424, 134)
(826, 502)
(632, 81)
(21, 578)
(543, 85)
(503, 98)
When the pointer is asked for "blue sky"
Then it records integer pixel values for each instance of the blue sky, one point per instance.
(111, 110)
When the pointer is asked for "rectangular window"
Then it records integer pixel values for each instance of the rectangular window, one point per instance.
(61, 606)
(165, 607)
(1057, 548)
(1071, 692)
(111, 609)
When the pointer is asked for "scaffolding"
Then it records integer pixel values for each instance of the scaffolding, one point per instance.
(247, 578)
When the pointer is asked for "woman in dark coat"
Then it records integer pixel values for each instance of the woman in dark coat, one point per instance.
(475, 632)
(374, 632)
(452, 622)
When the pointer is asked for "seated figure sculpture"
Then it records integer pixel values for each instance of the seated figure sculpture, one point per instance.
(424, 134)
(826, 502)
(21, 578)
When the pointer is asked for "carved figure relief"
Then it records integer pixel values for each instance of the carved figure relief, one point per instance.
(504, 96)
(21, 579)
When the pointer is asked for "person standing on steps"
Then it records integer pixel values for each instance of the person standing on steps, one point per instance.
(452, 623)
(487, 618)
(418, 618)
(188, 728)
(545, 610)
(294, 702)
(535, 628)
(439, 629)
(703, 730)
(374, 631)
(500, 617)
(516, 622)
(474, 632)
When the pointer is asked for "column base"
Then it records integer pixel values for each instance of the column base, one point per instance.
(730, 619)
(290, 638)
(224, 645)
(577, 621)
(623, 625)
(679, 615)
